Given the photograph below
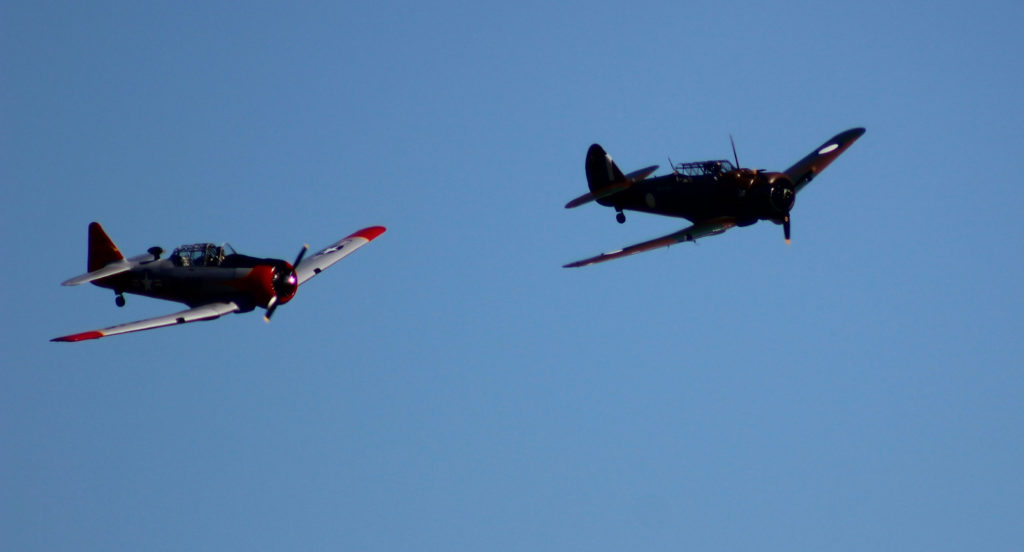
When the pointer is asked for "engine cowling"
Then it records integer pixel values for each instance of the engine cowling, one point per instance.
(774, 195)
(267, 284)
(284, 282)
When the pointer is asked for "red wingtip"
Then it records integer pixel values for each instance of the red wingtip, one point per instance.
(79, 337)
(369, 233)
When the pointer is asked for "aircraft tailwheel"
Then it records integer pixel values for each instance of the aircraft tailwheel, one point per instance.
(119, 300)
(620, 217)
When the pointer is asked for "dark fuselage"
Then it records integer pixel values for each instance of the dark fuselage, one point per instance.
(743, 194)
(247, 281)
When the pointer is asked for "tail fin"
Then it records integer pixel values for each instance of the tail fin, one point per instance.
(102, 251)
(605, 179)
(601, 170)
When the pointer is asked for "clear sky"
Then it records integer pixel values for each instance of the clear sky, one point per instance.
(450, 386)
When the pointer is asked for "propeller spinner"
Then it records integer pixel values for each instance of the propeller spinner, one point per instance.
(285, 282)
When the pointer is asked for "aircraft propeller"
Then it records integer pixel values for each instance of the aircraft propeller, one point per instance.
(790, 198)
(782, 198)
(286, 280)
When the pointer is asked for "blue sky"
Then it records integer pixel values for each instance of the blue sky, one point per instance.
(450, 386)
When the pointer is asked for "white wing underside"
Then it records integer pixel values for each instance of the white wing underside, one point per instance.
(690, 233)
(323, 259)
(203, 312)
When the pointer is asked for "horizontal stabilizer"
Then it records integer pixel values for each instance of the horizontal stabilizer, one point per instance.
(599, 194)
(613, 188)
(111, 269)
(637, 176)
(582, 200)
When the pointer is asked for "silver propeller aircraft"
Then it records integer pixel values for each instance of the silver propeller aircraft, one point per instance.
(213, 280)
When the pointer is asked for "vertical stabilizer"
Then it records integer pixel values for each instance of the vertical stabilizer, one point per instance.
(102, 251)
(601, 170)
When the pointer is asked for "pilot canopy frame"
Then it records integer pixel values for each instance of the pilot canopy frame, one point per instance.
(703, 168)
(201, 254)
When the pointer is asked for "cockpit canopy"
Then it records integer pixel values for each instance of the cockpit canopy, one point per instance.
(201, 254)
(704, 168)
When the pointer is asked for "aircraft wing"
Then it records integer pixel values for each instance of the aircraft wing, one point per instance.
(202, 312)
(321, 260)
(111, 269)
(690, 233)
(807, 168)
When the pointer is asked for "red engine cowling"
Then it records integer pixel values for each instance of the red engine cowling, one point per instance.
(285, 282)
(265, 282)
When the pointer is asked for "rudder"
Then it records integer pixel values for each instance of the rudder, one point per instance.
(601, 170)
(102, 250)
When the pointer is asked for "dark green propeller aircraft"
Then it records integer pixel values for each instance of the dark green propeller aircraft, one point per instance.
(714, 195)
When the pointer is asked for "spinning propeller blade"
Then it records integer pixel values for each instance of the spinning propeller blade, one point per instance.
(302, 253)
(271, 307)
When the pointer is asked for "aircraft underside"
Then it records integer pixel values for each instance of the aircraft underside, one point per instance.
(689, 200)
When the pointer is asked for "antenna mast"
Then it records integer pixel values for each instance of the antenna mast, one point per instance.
(734, 156)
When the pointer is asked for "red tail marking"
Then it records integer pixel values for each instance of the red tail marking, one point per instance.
(102, 251)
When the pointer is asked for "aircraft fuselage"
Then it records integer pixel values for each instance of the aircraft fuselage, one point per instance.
(250, 284)
(744, 194)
